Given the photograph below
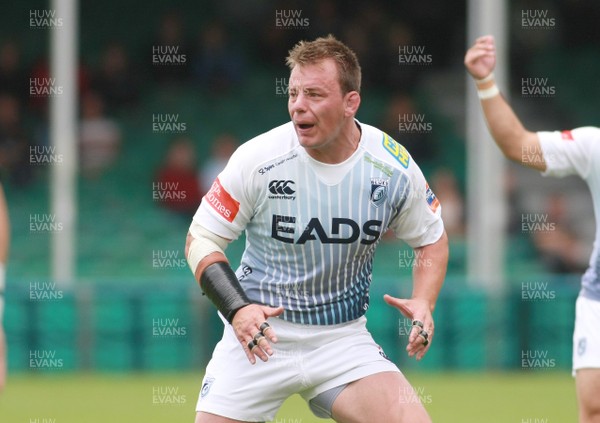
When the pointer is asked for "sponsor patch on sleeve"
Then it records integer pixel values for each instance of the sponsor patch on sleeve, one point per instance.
(567, 136)
(396, 150)
(432, 200)
(223, 203)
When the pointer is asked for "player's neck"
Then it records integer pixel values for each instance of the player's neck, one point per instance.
(343, 148)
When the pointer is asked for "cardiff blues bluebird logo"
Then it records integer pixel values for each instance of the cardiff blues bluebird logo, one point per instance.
(379, 191)
(581, 346)
(382, 353)
(208, 381)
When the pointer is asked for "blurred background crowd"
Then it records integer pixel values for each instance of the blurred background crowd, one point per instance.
(167, 99)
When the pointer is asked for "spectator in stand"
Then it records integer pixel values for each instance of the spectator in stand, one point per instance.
(100, 137)
(327, 19)
(403, 74)
(401, 121)
(115, 78)
(557, 244)
(218, 65)
(178, 188)
(14, 143)
(170, 52)
(222, 149)
(13, 79)
(40, 72)
(453, 213)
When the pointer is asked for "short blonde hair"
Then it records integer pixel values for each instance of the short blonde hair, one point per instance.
(309, 52)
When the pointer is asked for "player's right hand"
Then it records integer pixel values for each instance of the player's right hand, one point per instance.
(246, 324)
(480, 59)
(420, 310)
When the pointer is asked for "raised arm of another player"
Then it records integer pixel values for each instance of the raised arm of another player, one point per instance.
(512, 138)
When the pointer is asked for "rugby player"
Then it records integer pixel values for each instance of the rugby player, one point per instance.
(558, 153)
(314, 197)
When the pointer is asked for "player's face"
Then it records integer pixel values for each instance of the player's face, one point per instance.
(317, 106)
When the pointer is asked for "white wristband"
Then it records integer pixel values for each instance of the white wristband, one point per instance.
(488, 93)
(486, 79)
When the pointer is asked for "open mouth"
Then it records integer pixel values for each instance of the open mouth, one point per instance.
(304, 126)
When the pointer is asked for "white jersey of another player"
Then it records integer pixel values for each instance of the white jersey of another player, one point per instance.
(312, 228)
(577, 152)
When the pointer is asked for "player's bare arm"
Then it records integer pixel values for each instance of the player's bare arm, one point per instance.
(219, 283)
(507, 130)
(428, 277)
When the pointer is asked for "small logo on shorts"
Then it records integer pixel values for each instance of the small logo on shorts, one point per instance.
(581, 345)
(382, 353)
(206, 386)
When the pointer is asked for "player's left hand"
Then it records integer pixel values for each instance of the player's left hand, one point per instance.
(420, 311)
(480, 59)
(247, 324)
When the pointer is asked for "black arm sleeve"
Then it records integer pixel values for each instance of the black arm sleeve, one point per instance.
(222, 287)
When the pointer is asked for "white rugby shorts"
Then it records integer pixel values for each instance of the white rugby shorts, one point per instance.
(586, 336)
(307, 359)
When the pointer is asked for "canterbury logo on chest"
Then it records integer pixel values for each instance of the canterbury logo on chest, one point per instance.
(282, 189)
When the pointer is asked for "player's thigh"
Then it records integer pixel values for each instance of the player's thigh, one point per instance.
(382, 397)
(202, 417)
(588, 394)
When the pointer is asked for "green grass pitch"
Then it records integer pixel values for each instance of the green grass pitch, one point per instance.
(531, 397)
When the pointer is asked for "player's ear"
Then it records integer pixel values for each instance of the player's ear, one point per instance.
(351, 103)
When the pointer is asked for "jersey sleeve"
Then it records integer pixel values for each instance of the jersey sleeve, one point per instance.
(419, 222)
(228, 206)
(569, 152)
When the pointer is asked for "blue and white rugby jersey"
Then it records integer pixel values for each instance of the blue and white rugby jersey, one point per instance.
(577, 152)
(312, 228)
